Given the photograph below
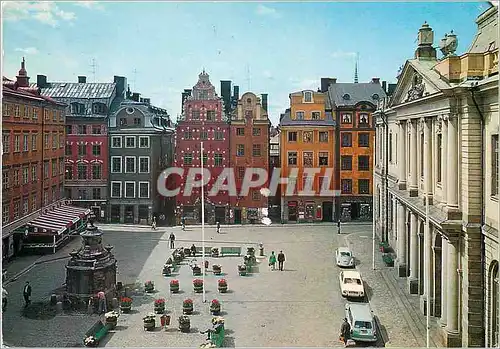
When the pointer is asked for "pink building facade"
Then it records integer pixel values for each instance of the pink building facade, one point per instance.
(203, 120)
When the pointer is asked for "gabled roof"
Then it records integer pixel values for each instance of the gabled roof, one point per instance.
(355, 92)
(78, 90)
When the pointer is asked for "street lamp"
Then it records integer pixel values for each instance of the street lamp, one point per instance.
(203, 221)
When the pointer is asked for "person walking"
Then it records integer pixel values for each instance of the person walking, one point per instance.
(338, 226)
(4, 299)
(27, 294)
(272, 261)
(153, 225)
(102, 303)
(345, 332)
(172, 240)
(193, 250)
(218, 227)
(183, 223)
(281, 260)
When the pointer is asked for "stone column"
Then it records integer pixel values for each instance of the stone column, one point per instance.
(428, 268)
(444, 160)
(402, 156)
(413, 280)
(428, 158)
(444, 282)
(452, 167)
(401, 240)
(452, 296)
(413, 158)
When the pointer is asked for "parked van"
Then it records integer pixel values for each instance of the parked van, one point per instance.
(360, 317)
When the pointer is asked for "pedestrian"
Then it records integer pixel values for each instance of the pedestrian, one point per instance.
(272, 261)
(183, 223)
(345, 332)
(153, 225)
(338, 226)
(4, 299)
(218, 227)
(102, 303)
(281, 260)
(172, 240)
(27, 294)
(193, 250)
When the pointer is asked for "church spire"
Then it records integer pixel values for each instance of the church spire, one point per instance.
(356, 69)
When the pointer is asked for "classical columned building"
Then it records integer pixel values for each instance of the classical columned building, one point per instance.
(437, 136)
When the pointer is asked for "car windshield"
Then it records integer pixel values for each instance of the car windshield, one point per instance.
(345, 254)
(352, 281)
(363, 324)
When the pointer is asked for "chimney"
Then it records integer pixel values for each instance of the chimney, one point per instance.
(264, 101)
(41, 81)
(147, 101)
(326, 82)
(225, 92)
(135, 96)
(82, 79)
(376, 81)
(236, 92)
(384, 86)
(121, 84)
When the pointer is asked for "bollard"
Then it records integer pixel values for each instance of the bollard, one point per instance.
(206, 264)
(127, 291)
(53, 299)
(114, 303)
(59, 307)
(261, 250)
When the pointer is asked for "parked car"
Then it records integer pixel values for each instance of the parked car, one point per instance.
(351, 284)
(363, 326)
(344, 257)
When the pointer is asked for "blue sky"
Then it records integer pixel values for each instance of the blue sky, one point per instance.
(268, 47)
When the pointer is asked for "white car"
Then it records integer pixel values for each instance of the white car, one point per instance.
(344, 257)
(351, 284)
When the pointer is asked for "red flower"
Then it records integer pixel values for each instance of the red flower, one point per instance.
(126, 300)
(174, 282)
(188, 301)
(160, 301)
(222, 282)
(197, 282)
(215, 302)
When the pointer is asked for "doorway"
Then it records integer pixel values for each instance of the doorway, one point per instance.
(237, 216)
(220, 214)
(328, 211)
(354, 211)
(292, 211)
(129, 214)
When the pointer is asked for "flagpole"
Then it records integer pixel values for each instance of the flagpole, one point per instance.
(203, 222)
(375, 199)
(427, 244)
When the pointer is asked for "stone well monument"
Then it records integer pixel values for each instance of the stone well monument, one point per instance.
(91, 269)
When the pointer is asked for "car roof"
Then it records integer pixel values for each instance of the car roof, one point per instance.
(343, 249)
(361, 311)
(352, 274)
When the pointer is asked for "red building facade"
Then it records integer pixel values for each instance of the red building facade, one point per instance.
(203, 121)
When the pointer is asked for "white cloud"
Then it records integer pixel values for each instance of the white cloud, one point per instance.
(263, 10)
(45, 12)
(267, 74)
(91, 5)
(27, 50)
(343, 54)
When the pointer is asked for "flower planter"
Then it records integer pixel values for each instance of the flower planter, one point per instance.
(111, 319)
(167, 271)
(215, 307)
(184, 324)
(388, 260)
(111, 323)
(384, 247)
(126, 304)
(196, 271)
(198, 285)
(198, 289)
(216, 269)
(187, 306)
(149, 287)
(187, 252)
(125, 308)
(174, 288)
(222, 288)
(242, 270)
(149, 322)
(159, 306)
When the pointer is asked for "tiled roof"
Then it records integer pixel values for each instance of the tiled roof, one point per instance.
(287, 121)
(28, 92)
(78, 90)
(486, 38)
(358, 92)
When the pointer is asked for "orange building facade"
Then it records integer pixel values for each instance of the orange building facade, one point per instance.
(307, 146)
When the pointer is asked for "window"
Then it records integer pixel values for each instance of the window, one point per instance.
(299, 115)
(16, 209)
(363, 140)
(248, 114)
(82, 194)
(323, 137)
(256, 131)
(144, 190)
(16, 111)
(116, 164)
(363, 163)
(6, 143)
(346, 139)
(143, 164)
(61, 140)
(5, 214)
(364, 186)
(68, 150)
(308, 97)
(17, 141)
(77, 108)
(292, 136)
(188, 134)
(346, 162)
(5, 109)
(241, 172)
(69, 129)
(61, 166)
(218, 159)
(35, 113)
(255, 195)
(116, 189)
(346, 186)
(203, 135)
(195, 115)
(46, 169)
(307, 136)
(123, 121)
(55, 141)
(82, 129)
(26, 177)
(96, 193)
(346, 118)
(390, 147)
(68, 172)
(82, 150)
(116, 142)
(188, 158)
(439, 149)
(130, 189)
(494, 165)
(96, 150)
(129, 142)
(26, 113)
(54, 168)
(316, 115)
(45, 197)
(143, 142)
(34, 140)
(130, 164)
(307, 158)
(26, 207)
(96, 130)
(240, 150)
(323, 158)
(16, 177)
(240, 131)
(363, 120)
(82, 171)
(25, 142)
(292, 158)
(5, 179)
(422, 146)
(256, 150)
(219, 135)
(96, 171)
(34, 199)
(205, 159)
(210, 115)
(137, 121)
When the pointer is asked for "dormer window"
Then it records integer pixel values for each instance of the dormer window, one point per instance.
(346, 97)
(375, 96)
(77, 108)
(99, 108)
(129, 110)
(308, 97)
(249, 100)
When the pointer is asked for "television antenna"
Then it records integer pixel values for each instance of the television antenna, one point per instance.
(93, 65)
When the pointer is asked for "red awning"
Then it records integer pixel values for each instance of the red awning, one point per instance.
(78, 210)
(71, 217)
(49, 226)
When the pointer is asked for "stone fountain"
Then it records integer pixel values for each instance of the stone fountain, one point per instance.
(91, 269)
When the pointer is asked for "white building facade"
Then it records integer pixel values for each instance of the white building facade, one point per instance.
(437, 138)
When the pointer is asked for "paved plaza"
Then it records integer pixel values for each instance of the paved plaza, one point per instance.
(300, 306)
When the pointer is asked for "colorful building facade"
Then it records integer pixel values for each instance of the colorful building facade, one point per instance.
(249, 139)
(203, 120)
(307, 156)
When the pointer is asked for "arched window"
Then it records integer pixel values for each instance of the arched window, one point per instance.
(494, 311)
